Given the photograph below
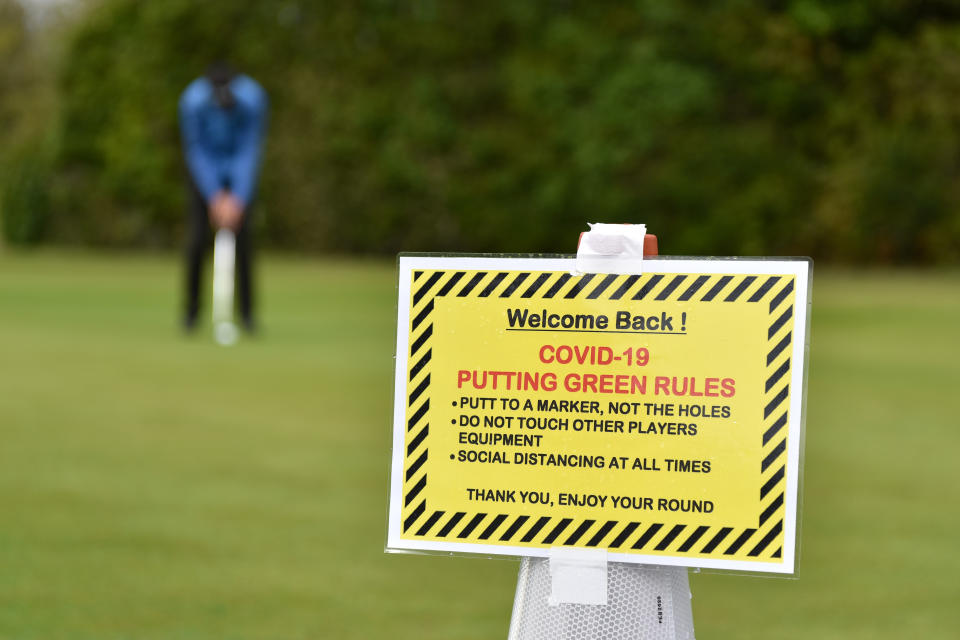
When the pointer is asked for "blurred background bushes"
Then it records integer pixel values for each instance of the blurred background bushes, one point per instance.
(826, 128)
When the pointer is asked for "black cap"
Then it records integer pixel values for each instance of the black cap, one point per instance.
(220, 74)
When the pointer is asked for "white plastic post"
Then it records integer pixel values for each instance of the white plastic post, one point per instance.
(643, 602)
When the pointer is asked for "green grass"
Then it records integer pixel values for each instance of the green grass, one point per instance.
(157, 486)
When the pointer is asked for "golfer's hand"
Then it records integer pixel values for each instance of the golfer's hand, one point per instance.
(215, 209)
(226, 211)
(231, 212)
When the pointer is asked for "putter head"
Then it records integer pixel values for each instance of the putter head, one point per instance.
(225, 333)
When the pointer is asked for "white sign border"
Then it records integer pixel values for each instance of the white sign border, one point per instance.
(798, 267)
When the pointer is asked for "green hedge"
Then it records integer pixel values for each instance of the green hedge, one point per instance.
(24, 199)
(729, 127)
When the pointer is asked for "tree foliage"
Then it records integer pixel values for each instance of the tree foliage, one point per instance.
(729, 127)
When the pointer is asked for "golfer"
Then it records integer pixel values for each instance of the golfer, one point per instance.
(222, 120)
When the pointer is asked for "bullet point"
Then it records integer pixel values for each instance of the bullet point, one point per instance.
(453, 421)
(454, 403)
(453, 457)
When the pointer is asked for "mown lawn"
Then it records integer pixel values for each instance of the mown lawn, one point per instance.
(154, 485)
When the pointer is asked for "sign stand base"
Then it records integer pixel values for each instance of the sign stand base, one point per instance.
(643, 602)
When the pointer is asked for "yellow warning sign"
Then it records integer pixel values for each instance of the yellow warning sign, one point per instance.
(654, 415)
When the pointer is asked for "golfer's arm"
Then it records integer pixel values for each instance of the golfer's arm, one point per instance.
(200, 164)
(246, 164)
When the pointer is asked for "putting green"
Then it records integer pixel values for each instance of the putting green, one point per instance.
(159, 486)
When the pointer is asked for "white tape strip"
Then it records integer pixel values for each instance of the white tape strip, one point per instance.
(611, 248)
(578, 576)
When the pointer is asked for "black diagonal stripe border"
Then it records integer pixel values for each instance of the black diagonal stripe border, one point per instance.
(578, 532)
(557, 530)
(535, 529)
(645, 290)
(767, 539)
(775, 291)
(764, 288)
(739, 289)
(493, 526)
(579, 286)
(670, 537)
(624, 535)
(492, 286)
(450, 284)
(670, 288)
(513, 528)
(692, 540)
(473, 524)
(603, 286)
(693, 288)
(454, 521)
(716, 288)
(514, 285)
(432, 520)
(628, 282)
(529, 293)
(601, 533)
(647, 535)
(555, 288)
(422, 315)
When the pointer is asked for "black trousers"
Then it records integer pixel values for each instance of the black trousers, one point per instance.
(198, 239)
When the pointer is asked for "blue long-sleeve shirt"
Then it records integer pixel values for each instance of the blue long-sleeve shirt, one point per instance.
(222, 146)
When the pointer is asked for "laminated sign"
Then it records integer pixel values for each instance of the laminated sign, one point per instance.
(656, 415)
